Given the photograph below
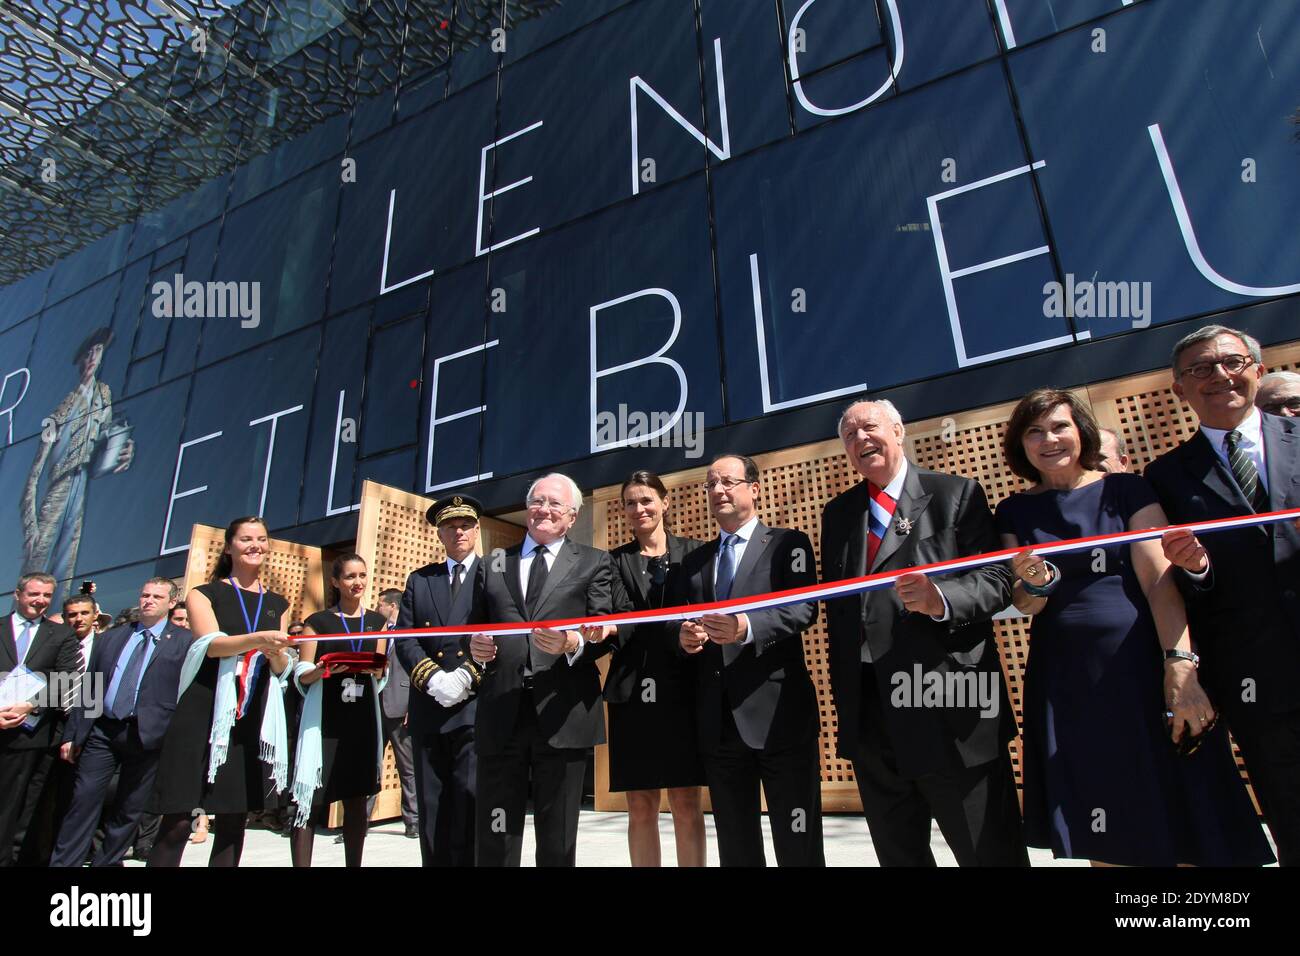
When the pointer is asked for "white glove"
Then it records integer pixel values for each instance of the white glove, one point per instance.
(460, 680)
(446, 688)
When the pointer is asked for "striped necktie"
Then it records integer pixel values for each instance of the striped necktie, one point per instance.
(880, 512)
(1244, 470)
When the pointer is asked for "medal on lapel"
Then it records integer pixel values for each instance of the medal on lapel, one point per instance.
(903, 526)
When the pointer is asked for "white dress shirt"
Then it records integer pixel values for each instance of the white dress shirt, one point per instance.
(467, 564)
(527, 554)
(1252, 443)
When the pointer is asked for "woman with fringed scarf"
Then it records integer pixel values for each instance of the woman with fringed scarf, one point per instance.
(227, 750)
(340, 748)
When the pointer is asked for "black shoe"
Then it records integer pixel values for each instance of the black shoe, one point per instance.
(339, 838)
(412, 833)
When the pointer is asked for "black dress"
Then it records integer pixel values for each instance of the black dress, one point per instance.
(350, 760)
(1102, 778)
(243, 782)
(649, 688)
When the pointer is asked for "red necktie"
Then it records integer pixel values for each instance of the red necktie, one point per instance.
(880, 511)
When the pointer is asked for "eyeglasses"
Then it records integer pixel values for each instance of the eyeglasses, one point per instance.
(548, 504)
(1232, 364)
(727, 483)
(1275, 408)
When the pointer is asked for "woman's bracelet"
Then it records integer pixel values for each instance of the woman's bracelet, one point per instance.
(1042, 590)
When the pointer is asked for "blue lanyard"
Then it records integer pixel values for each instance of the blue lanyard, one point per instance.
(361, 629)
(261, 595)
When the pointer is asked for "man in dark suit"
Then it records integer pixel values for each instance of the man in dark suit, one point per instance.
(30, 725)
(1242, 586)
(915, 759)
(441, 723)
(395, 704)
(756, 709)
(539, 708)
(134, 673)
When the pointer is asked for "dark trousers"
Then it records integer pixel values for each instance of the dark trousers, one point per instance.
(445, 770)
(22, 779)
(395, 733)
(1271, 748)
(976, 807)
(40, 828)
(791, 781)
(113, 746)
(503, 784)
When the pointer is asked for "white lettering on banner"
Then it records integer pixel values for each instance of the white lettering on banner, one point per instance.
(483, 197)
(274, 419)
(8, 410)
(384, 287)
(1009, 33)
(177, 496)
(654, 358)
(793, 58)
(435, 421)
(763, 376)
(330, 510)
(948, 274)
(722, 152)
(1189, 233)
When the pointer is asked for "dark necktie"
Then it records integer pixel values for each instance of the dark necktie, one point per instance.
(456, 572)
(726, 568)
(1247, 475)
(124, 699)
(536, 582)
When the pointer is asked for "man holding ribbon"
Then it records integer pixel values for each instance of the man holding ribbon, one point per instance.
(756, 708)
(540, 708)
(445, 704)
(916, 758)
(1242, 585)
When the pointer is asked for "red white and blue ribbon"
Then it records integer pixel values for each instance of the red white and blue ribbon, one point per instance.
(844, 588)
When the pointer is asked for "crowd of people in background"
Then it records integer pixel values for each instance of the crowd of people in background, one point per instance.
(1143, 656)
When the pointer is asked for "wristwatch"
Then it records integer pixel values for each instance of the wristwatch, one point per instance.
(1177, 655)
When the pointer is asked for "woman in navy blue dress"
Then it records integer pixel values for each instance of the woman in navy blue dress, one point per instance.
(1110, 655)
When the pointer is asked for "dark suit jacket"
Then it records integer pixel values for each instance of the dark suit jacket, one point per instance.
(426, 602)
(950, 519)
(54, 649)
(157, 700)
(764, 683)
(628, 646)
(1245, 619)
(566, 696)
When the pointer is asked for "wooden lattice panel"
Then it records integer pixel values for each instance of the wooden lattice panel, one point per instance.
(798, 482)
(395, 538)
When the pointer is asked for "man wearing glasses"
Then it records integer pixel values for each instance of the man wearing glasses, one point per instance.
(1279, 394)
(1242, 586)
(539, 703)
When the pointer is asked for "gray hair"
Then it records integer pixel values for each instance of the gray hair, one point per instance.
(890, 411)
(575, 493)
(1120, 448)
(1207, 332)
(1288, 378)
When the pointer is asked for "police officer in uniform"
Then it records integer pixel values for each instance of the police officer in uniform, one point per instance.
(444, 679)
